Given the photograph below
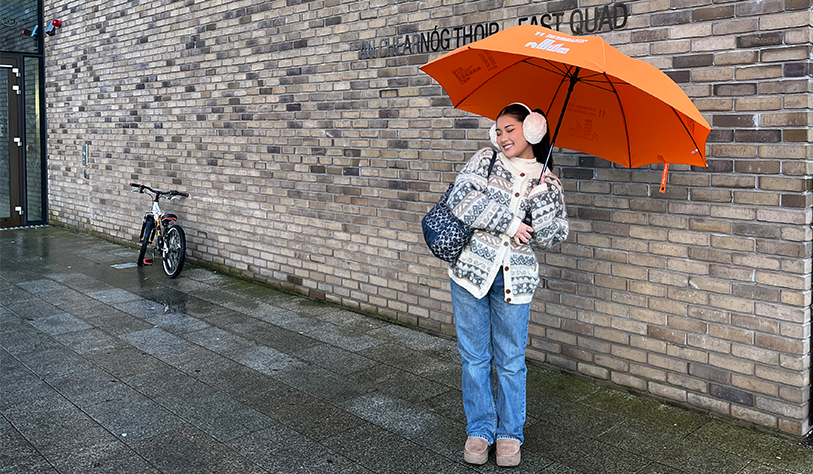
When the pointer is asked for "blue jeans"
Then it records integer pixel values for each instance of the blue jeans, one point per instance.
(489, 330)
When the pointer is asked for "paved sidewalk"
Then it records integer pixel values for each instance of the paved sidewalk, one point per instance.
(110, 368)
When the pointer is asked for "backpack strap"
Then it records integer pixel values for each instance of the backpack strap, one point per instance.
(491, 165)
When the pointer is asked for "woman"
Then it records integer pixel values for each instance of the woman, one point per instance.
(494, 279)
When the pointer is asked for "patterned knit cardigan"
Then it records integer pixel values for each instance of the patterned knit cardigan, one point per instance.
(494, 207)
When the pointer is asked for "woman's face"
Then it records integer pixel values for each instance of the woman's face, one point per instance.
(510, 138)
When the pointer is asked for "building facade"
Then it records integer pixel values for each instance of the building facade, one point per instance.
(312, 145)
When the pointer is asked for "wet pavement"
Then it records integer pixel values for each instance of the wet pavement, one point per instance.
(110, 368)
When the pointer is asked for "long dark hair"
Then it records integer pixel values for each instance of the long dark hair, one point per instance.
(541, 149)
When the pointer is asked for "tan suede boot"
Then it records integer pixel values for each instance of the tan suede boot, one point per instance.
(476, 450)
(507, 452)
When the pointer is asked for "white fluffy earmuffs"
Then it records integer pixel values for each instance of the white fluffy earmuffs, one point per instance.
(534, 127)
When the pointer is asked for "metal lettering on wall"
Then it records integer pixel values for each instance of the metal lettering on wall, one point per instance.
(584, 21)
(436, 40)
(581, 21)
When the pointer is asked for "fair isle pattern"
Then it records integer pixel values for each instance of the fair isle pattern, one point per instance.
(549, 218)
(486, 204)
(476, 198)
(483, 251)
(445, 234)
(524, 281)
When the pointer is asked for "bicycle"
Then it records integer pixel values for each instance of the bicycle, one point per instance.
(171, 238)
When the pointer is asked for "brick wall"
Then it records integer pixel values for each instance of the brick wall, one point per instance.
(310, 168)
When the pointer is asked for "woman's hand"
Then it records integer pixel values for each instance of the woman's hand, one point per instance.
(542, 182)
(523, 234)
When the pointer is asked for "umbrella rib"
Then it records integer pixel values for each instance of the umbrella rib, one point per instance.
(702, 153)
(589, 81)
(486, 82)
(565, 72)
(623, 117)
(593, 81)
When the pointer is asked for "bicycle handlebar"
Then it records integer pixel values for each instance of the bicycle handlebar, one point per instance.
(142, 187)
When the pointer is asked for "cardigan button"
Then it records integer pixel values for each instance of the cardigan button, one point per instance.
(506, 268)
(508, 300)
(516, 194)
(508, 291)
(505, 244)
(522, 175)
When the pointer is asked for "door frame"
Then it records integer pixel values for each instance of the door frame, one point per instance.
(11, 63)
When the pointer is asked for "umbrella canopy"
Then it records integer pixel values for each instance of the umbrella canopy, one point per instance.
(602, 101)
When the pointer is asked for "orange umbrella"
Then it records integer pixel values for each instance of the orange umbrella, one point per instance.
(604, 102)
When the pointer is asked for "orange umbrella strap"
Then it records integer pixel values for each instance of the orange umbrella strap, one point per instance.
(663, 178)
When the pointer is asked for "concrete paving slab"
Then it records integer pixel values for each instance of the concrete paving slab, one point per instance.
(20, 337)
(54, 427)
(221, 416)
(380, 450)
(125, 361)
(203, 364)
(191, 451)
(40, 286)
(30, 309)
(134, 417)
(68, 299)
(113, 295)
(318, 382)
(19, 455)
(111, 457)
(334, 359)
(279, 338)
(404, 358)
(323, 420)
(141, 308)
(281, 449)
(61, 323)
(111, 320)
(167, 385)
(343, 338)
(207, 373)
(398, 416)
(353, 321)
(154, 340)
(177, 323)
(15, 294)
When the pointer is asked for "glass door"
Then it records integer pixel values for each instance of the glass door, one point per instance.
(11, 144)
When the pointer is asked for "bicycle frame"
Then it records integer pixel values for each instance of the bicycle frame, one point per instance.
(171, 243)
(161, 221)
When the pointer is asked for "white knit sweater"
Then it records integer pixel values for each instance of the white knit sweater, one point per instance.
(495, 207)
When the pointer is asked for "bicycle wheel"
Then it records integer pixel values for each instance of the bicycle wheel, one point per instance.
(146, 240)
(174, 251)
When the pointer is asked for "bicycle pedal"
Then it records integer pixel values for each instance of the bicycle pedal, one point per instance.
(148, 261)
